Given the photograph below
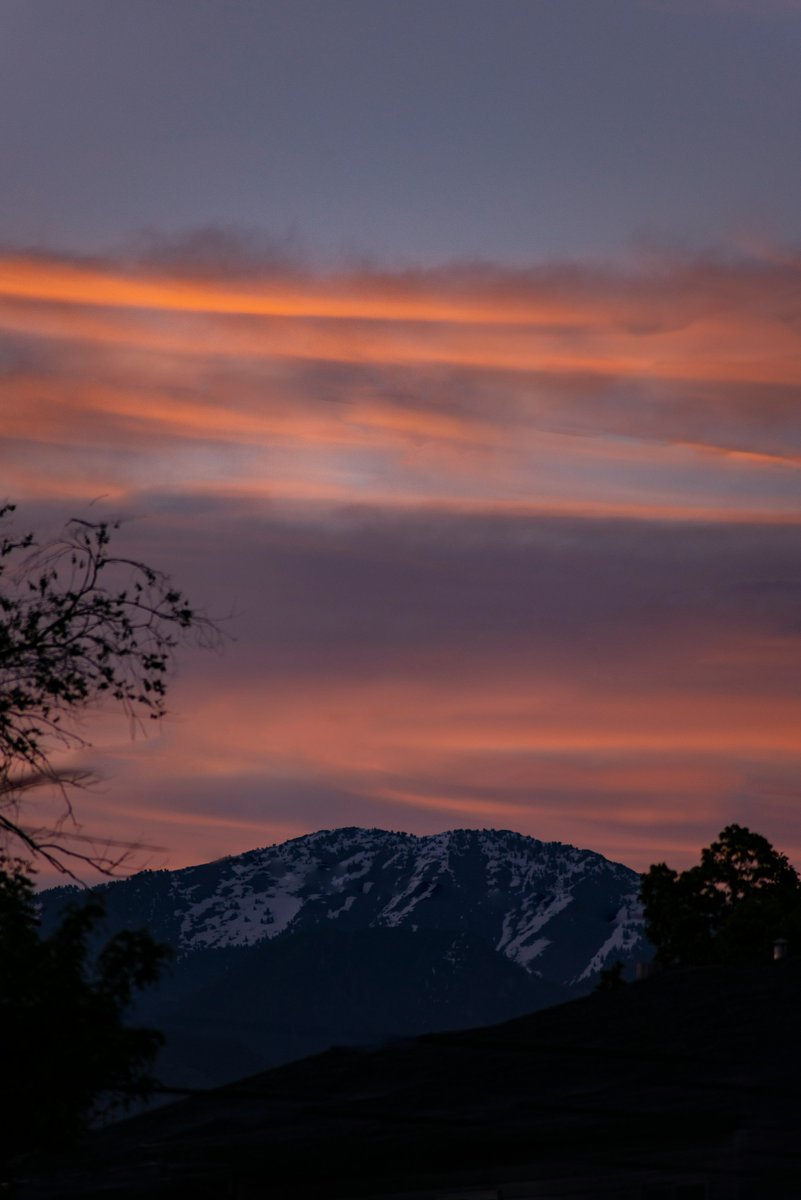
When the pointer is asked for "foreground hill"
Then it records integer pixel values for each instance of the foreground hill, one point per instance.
(356, 935)
(681, 1086)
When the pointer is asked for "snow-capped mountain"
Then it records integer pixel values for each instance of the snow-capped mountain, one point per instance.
(354, 935)
(558, 912)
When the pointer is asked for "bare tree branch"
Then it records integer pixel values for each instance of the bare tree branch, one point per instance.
(79, 627)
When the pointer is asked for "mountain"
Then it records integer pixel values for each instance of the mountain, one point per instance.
(354, 935)
(558, 912)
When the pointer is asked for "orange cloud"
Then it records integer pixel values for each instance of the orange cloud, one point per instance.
(373, 298)
(554, 388)
(692, 323)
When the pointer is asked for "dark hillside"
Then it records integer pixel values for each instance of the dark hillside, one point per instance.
(301, 993)
(687, 1083)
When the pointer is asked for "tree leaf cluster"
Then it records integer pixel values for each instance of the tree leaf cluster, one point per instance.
(67, 1056)
(730, 908)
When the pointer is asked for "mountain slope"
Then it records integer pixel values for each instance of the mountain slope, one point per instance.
(240, 1009)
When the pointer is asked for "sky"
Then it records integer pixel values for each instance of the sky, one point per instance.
(449, 353)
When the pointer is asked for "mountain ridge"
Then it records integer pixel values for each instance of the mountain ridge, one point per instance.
(523, 895)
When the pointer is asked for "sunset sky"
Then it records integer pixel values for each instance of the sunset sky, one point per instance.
(450, 351)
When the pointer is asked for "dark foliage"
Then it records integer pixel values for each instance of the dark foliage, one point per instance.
(78, 626)
(67, 1056)
(729, 909)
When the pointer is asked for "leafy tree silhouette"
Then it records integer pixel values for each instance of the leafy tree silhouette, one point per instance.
(78, 626)
(730, 908)
(67, 1056)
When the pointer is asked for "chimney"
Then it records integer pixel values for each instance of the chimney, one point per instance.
(780, 949)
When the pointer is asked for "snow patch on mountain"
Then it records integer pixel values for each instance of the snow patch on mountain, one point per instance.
(236, 914)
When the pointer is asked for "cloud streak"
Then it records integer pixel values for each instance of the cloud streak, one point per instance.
(420, 381)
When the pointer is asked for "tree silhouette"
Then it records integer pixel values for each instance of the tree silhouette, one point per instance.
(67, 1057)
(79, 626)
(730, 908)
